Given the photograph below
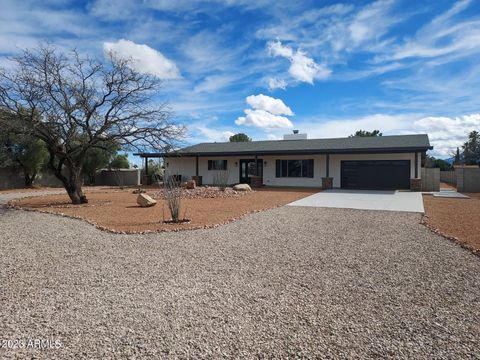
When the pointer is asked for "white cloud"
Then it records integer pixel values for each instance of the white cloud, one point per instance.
(445, 133)
(276, 48)
(302, 67)
(268, 103)
(442, 36)
(371, 22)
(144, 58)
(263, 119)
(266, 113)
(226, 135)
(113, 9)
(305, 69)
(213, 83)
(274, 83)
(204, 133)
(273, 137)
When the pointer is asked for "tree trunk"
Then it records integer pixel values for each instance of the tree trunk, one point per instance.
(72, 183)
(74, 186)
(74, 191)
(29, 179)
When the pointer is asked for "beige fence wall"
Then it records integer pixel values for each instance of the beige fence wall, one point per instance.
(430, 179)
(448, 177)
(11, 178)
(121, 177)
(468, 179)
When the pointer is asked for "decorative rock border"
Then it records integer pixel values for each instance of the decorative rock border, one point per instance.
(454, 239)
(13, 206)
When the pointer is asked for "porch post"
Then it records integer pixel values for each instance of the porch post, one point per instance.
(327, 164)
(146, 171)
(197, 178)
(256, 180)
(416, 165)
(327, 181)
(415, 182)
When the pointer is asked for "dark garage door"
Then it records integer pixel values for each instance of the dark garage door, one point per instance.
(375, 174)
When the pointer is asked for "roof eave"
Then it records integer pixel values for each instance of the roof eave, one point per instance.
(300, 152)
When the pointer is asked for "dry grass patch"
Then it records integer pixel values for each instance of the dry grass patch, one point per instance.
(117, 210)
(455, 218)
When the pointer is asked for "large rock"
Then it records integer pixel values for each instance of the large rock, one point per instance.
(242, 187)
(191, 184)
(145, 201)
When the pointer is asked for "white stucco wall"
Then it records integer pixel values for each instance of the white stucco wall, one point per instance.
(185, 166)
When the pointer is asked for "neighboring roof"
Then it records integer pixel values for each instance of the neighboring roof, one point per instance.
(397, 143)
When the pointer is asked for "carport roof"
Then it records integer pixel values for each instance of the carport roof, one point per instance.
(397, 143)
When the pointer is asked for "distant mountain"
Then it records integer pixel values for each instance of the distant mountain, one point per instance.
(450, 160)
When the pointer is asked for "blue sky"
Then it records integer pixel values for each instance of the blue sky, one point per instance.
(266, 67)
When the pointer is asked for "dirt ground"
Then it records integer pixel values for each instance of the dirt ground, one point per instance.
(447, 186)
(459, 218)
(24, 190)
(117, 210)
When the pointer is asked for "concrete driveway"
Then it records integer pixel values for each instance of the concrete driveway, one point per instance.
(365, 200)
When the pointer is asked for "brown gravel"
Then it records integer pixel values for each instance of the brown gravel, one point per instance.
(457, 218)
(117, 210)
(203, 193)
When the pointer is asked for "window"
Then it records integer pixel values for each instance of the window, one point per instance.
(294, 168)
(217, 164)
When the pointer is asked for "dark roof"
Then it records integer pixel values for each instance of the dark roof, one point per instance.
(397, 143)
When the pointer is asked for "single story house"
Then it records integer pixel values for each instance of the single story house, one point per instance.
(384, 162)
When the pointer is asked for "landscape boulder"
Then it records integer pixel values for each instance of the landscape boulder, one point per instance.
(145, 201)
(190, 184)
(242, 187)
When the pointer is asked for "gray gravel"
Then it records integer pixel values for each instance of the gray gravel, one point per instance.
(289, 282)
(6, 197)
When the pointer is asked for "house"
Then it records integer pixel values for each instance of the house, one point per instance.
(384, 162)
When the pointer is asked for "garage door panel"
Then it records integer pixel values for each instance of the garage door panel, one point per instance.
(375, 174)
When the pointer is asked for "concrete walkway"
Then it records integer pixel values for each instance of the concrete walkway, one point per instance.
(365, 200)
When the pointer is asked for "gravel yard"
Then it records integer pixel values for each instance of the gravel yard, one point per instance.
(457, 218)
(288, 282)
(117, 210)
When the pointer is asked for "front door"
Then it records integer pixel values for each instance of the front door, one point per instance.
(248, 168)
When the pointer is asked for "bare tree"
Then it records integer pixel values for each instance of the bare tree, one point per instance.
(76, 103)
